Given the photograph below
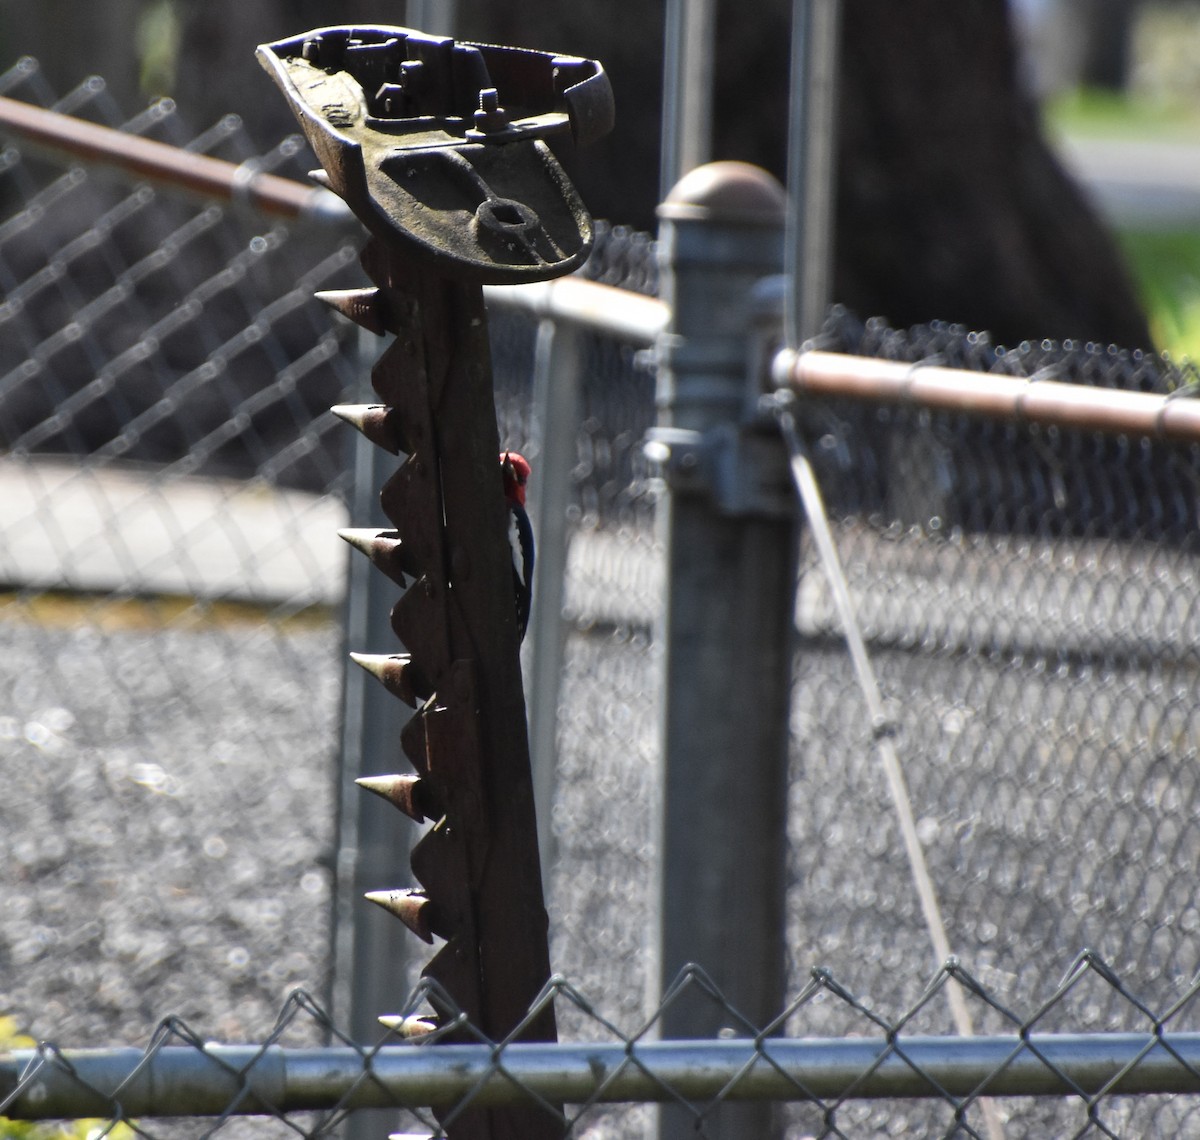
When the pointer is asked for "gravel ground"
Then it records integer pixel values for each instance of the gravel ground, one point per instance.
(167, 827)
(168, 824)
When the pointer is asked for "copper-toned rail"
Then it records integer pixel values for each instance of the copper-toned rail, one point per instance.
(163, 163)
(1048, 402)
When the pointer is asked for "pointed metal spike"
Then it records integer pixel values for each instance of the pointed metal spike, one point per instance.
(397, 673)
(409, 1027)
(385, 549)
(409, 793)
(373, 663)
(411, 907)
(365, 307)
(362, 538)
(375, 421)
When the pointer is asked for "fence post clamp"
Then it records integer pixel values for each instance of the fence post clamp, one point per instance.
(740, 467)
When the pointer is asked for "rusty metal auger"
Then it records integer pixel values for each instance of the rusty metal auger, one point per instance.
(437, 148)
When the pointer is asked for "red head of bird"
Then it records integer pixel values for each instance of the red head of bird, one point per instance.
(515, 471)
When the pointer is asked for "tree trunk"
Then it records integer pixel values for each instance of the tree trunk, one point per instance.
(617, 177)
(1107, 40)
(217, 71)
(951, 205)
(73, 40)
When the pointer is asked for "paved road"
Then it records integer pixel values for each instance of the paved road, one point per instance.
(133, 531)
(1139, 183)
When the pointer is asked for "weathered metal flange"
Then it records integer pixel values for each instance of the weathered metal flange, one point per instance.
(439, 144)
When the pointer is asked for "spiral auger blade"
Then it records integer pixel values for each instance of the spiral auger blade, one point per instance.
(412, 132)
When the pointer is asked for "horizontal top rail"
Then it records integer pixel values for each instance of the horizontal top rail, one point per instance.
(603, 308)
(632, 316)
(589, 304)
(168, 165)
(1050, 402)
(184, 1080)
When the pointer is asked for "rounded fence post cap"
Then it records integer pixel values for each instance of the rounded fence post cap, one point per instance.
(727, 193)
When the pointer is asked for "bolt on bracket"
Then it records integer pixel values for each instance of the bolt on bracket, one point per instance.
(742, 468)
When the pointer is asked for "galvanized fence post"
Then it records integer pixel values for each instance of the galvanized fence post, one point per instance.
(558, 361)
(689, 48)
(812, 164)
(728, 527)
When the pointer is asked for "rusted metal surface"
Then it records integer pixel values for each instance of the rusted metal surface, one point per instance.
(477, 867)
(1049, 402)
(438, 145)
(411, 132)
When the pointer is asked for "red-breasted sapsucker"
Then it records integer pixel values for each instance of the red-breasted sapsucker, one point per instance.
(515, 470)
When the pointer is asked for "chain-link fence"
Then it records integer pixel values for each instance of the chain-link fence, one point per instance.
(173, 584)
(880, 1076)
(170, 485)
(172, 669)
(1031, 598)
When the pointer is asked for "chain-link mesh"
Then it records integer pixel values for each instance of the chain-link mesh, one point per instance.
(883, 1076)
(170, 483)
(1029, 597)
(173, 485)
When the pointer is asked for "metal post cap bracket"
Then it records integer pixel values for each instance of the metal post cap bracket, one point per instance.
(742, 468)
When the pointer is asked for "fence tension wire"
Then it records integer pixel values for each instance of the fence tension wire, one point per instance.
(883, 727)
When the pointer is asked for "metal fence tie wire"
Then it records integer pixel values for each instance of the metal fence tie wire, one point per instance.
(910, 377)
(1047, 372)
(1187, 391)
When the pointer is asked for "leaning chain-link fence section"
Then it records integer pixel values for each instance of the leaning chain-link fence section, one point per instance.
(884, 1074)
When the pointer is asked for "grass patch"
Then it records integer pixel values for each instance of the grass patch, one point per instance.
(1165, 263)
(110, 613)
(1088, 113)
(1166, 267)
(10, 1038)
